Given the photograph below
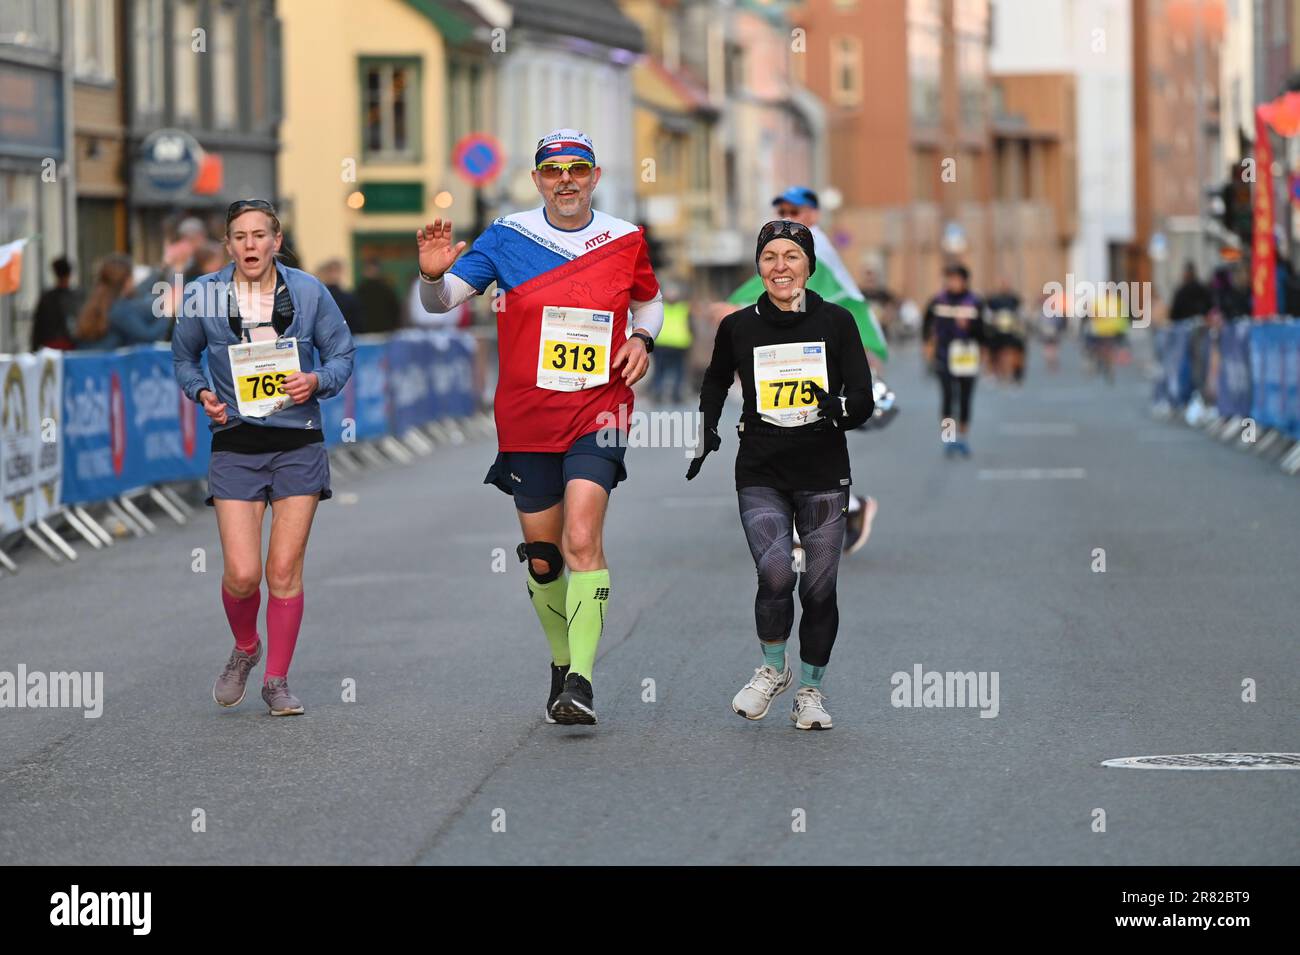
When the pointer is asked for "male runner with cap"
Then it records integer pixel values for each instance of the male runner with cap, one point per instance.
(567, 276)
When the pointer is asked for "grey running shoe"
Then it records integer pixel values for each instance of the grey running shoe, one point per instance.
(756, 696)
(279, 699)
(229, 688)
(809, 712)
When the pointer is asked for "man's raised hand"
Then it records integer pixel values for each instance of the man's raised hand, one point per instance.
(436, 250)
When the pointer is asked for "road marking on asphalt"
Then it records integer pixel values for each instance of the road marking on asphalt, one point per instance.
(1032, 474)
(1039, 429)
(1166, 436)
(388, 577)
(1209, 761)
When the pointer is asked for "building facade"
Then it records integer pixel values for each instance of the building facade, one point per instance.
(367, 141)
(37, 171)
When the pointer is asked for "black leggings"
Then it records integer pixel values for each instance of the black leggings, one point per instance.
(767, 516)
(962, 388)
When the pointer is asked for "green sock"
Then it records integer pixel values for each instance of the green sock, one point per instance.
(810, 675)
(548, 601)
(774, 655)
(586, 602)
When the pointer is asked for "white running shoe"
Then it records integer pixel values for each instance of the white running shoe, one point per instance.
(809, 711)
(857, 525)
(756, 696)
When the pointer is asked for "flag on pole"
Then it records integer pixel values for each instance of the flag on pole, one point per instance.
(11, 266)
(833, 283)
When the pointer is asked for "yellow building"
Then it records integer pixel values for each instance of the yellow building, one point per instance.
(375, 96)
(673, 118)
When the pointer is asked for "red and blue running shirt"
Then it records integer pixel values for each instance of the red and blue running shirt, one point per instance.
(604, 266)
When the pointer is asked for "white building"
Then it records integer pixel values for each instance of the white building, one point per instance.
(1091, 39)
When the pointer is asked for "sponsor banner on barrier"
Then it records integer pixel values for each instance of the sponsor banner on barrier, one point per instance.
(408, 384)
(1275, 373)
(370, 373)
(163, 427)
(46, 396)
(18, 438)
(1173, 346)
(127, 425)
(1234, 369)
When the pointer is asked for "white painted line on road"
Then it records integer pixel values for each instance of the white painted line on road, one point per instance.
(1032, 474)
(1209, 761)
(1039, 429)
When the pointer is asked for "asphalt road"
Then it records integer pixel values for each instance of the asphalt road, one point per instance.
(977, 565)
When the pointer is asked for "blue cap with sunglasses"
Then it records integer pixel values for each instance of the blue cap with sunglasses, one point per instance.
(565, 142)
(797, 196)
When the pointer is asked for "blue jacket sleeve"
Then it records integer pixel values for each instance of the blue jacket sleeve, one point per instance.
(135, 322)
(335, 346)
(188, 342)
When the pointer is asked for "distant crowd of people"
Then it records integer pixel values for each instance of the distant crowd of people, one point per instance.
(120, 306)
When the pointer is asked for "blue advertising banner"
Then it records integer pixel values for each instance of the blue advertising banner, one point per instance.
(370, 373)
(1173, 346)
(126, 424)
(408, 385)
(94, 428)
(1266, 373)
(1234, 369)
(164, 433)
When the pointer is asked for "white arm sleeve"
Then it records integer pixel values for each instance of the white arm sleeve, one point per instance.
(649, 315)
(446, 293)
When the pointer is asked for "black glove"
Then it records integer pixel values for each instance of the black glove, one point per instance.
(829, 405)
(710, 442)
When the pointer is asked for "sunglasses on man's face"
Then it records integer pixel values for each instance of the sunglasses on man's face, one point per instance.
(579, 169)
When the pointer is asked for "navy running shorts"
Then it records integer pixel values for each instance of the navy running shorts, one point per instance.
(537, 478)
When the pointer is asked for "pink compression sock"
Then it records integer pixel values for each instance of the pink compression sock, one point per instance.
(242, 614)
(283, 618)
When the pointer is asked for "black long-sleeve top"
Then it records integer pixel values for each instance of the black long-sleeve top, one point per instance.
(809, 457)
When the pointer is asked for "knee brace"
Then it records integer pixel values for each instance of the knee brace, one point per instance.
(542, 550)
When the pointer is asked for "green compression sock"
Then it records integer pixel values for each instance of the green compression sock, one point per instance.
(586, 602)
(810, 675)
(548, 601)
(774, 655)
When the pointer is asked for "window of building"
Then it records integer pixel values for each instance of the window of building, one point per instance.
(390, 106)
(94, 38)
(846, 71)
(222, 40)
(30, 23)
(924, 59)
(147, 52)
(185, 62)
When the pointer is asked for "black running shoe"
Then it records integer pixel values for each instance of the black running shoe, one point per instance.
(557, 687)
(574, 705)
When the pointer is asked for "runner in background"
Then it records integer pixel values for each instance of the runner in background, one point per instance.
(952, 332)
(277, 345)
(671, 348)
(1007, 337)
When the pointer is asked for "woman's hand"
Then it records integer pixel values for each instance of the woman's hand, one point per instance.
(300, 386)
(435, 249)
(216, 410)
(710, 441)
(830, 406)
